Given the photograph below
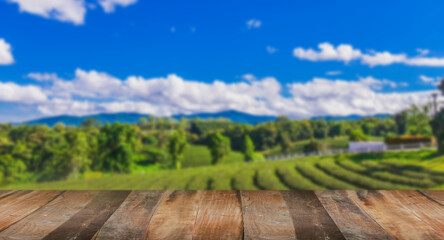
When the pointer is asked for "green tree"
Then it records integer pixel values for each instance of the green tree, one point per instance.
(176, 147)
(78, 151)
(418, 121)
(248, 148)
(285, 142)
(336, 129)
(437, 124)
(219, 146)
(357, 135)
(320, 128)
(90, 122)
(117, 144)
(313, 146)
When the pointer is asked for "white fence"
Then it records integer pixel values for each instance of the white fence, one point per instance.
(400, 147)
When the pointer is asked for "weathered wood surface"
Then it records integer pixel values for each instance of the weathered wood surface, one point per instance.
(266, 216)
(222, 214)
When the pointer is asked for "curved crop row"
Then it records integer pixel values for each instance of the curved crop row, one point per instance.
(373, 165)
(244, 179)
(309, 171)
(352, 166)
(363, 181)
(221, 180)
(267, 179)
(387, 176)
(294, 180)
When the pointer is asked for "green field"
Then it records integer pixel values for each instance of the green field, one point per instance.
(196, 156)
(392, 170)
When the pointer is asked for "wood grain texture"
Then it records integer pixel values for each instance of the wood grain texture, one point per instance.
(20, 204)
(266, 216)
(310, 219)
(398, 220)
(175, 216)
(131, 219)
(351, 220)
(4, 193)
(220, 216)
(435, 195)
(46, 219)
(90, 219)
(430, 212)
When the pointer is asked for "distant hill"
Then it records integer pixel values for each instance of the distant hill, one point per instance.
(349, 117)
(103, 118)
(234, 116)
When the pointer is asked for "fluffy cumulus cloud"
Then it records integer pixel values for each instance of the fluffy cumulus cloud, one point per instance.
(6, 57)
(109, 6)
(91, 92)
(72, 11)
(11, 92)
(346, 53)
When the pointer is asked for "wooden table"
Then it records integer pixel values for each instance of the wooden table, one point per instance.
(221, 215)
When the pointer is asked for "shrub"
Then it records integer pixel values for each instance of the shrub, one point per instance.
(309, 171)
(358, 135)
(424, 183)
(267, 179)
(352, 166)
(244, 179)
(406, 139)
(313, 146)
(355, 178)
(290, 177)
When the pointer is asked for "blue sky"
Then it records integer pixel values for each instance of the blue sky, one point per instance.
(294, 58)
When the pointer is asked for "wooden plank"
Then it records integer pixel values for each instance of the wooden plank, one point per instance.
(85, 223)
(130, 220)
(175, 216)
(4, 193)
(310, 219)
(266, 216)
(351, 220)
(220, 216)
(399, 221)
(20, 204)
(436, 195)
(52, 215)
(430, 212)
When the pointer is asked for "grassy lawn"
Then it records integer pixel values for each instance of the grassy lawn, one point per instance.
(391, 170)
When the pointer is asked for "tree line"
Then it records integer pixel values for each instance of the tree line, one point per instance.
(41, 153)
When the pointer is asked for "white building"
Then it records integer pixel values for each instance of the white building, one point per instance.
(366, 146)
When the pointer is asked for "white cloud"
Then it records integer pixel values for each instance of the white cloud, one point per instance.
(72, 11)
(253, 23)
(346, 53)
(94, 92)
(6, 57)
(339, 97)
(271, 50)
(109, 6)
(430, 80)
(422, 51)
(333, 73)
(11, 92)
(44, 77)
(343, 52)
(66, 10)
(249, 77)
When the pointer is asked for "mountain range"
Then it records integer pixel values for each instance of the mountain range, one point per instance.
(234, 116)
